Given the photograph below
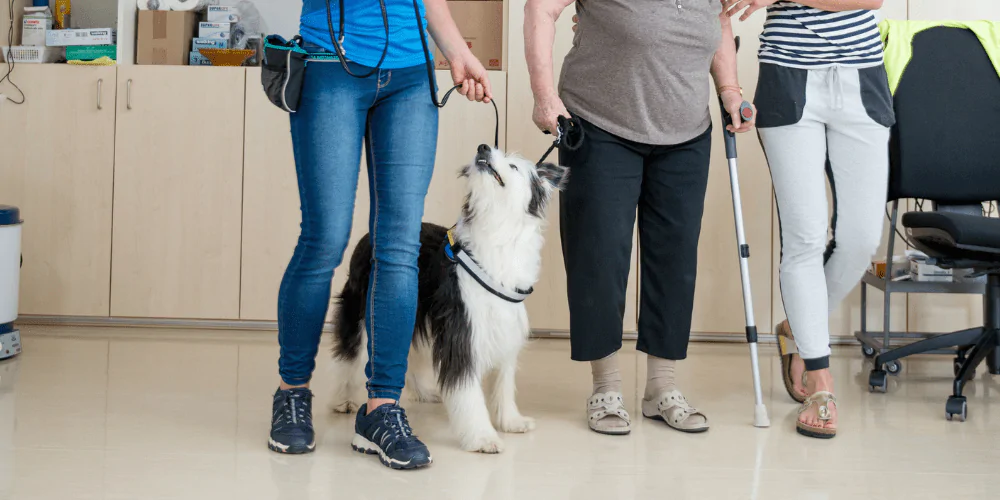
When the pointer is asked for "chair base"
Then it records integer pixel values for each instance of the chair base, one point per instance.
(973, 347)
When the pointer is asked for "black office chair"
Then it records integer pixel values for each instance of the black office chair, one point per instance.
(945, 147)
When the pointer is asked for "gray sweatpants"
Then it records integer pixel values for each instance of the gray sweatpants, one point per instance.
(838, 138)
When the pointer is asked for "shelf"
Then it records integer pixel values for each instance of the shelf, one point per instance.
(909, 286)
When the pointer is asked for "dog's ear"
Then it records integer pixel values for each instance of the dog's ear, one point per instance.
(556, 175)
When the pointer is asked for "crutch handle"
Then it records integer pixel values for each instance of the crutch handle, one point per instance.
(746, 114)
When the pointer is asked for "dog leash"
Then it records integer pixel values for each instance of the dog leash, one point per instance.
(496, 112)
(569, 135)
(431, 80)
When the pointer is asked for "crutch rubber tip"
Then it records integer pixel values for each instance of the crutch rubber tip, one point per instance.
(760, 416)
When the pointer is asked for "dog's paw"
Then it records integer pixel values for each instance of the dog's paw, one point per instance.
(346, 407)
(488, 444)
(518, 425)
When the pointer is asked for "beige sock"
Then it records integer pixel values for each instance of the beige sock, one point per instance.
(659, 376)
(606, 375)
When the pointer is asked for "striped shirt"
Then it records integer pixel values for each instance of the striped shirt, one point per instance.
(803, 37)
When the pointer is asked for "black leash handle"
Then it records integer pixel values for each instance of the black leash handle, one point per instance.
(496, 112)
(431, 80)
(569, 136)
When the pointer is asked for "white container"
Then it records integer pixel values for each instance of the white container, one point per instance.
(10, 263)
(33, 30)
(22, 54)
(221, 14)
(89, 36)
(215, 30)
(920, 270)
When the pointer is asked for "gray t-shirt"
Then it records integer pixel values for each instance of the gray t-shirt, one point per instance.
(640, 68)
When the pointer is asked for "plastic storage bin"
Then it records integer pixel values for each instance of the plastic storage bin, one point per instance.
(10, 272)
(32, 54)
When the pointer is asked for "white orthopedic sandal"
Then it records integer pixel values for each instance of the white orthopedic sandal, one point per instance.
(608, 404)
(672, 407)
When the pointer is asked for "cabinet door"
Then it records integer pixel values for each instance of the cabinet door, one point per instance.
(178, 192)
(271, 213)
(271, 202)
(57, 164)
(548, 309)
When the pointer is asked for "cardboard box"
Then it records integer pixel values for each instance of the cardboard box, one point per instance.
(481, 23)
(221, 14)
(89, 36)
(920, 270)
(90, 52)
(34, 29)
(215, 30)
(164, 37)
(196, 59)
(209, 43)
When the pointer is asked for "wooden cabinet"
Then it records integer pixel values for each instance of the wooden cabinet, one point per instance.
(547, 307)
(718, 295)
(270, 203)
(56, 164)
(270, 194)
(271, 213)
(178, 192)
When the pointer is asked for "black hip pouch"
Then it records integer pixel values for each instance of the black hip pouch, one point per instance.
(282, 71)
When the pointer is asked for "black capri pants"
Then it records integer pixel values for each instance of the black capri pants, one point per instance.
(611, 180)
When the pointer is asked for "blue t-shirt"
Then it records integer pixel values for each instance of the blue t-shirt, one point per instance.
(365, 33)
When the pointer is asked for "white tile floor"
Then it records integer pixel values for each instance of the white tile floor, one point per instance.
(183, 414)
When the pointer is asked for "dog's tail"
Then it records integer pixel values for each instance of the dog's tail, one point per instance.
(350, 313)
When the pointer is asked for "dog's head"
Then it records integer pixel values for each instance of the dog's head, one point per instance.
(508, 185)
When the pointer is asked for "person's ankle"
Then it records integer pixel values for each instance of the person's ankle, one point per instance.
(605, 375)
(374, 403)
(819, 380)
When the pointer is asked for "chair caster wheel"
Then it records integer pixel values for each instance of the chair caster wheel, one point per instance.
(956, 409)
(868, 352)
(894, 367)
(878, 381)
(958, 368)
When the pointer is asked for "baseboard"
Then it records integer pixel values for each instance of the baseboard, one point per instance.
(211, 324)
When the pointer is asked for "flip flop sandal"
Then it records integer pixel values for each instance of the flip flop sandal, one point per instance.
(608, 404)
(786, 352)
(673, 409)
(823, 399)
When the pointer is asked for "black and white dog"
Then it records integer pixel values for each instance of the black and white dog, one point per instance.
(470, 322)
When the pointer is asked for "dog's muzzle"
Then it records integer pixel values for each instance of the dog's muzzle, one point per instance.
(483, 163)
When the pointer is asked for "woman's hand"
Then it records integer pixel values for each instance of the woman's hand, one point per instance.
(732, 7)
(468, 72)
(732, 100)
(547, 111)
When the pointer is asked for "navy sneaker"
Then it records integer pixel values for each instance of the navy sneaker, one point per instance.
(387, 433)
(291, 422)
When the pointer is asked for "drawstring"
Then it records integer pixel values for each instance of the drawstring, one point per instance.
(836, 86)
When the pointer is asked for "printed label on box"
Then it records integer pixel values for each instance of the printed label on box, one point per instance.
(209, 43)
(221, 14)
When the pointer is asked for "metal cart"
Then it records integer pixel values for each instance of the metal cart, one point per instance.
(880, 344)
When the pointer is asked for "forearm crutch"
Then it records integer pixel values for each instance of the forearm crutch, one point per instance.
(746, 111)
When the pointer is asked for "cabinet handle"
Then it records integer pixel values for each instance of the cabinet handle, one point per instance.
(100, 85)
(128, 94)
